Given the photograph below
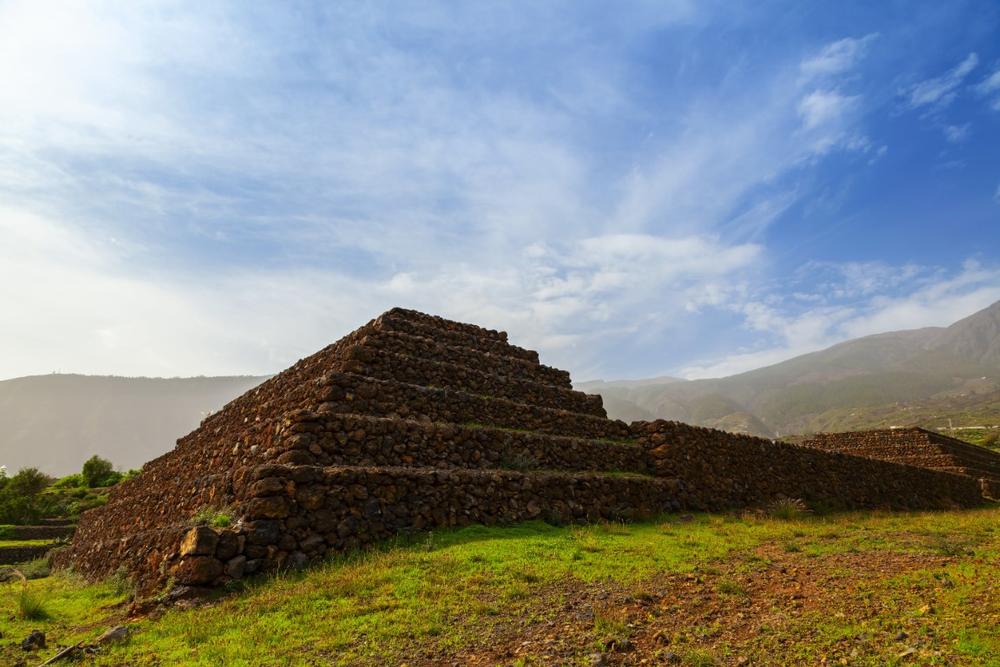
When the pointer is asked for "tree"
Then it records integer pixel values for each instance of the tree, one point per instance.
(28, 482)
(21, 497)
(99, 472)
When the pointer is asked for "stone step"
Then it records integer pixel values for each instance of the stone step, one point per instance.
(441, 324)
(362, 440)
(415, 370)
(36, 532)
(487, 362)
(926, 454)
(315, 511)
(391, 322)
(11, 555)
(960, 447)
(350, 393)
(971, 472)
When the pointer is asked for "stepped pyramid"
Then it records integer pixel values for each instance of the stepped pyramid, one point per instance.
(410, 422)
(921, 448)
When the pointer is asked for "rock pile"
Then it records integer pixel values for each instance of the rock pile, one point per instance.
(414, 422)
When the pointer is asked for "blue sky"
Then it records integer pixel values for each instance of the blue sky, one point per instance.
(634, 189)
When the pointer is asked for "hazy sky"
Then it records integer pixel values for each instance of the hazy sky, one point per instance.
(634, 189)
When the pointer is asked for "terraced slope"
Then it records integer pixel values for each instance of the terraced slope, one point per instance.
(22, 543)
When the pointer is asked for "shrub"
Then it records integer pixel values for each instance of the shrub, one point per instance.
(99, 472)
(992, 440)
(122, 583)
(74, 481)
(22, 499)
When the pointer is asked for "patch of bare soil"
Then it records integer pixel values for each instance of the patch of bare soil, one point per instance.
(726, 614)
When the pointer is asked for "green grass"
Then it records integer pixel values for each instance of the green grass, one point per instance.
(451, 593)
(31, 607)
(28, 543)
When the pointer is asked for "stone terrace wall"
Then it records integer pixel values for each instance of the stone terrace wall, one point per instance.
(299, 513)
(396, 320)
(725, 470)
(351, 439)
(914, 446)
(430, 372)
(350, 393)
(918, 447)
(405, 343)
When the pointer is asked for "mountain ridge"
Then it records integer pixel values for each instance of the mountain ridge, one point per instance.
(884, 369)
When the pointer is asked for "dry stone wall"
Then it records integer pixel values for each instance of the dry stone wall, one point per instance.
(318, 439)
(386, 365)
(921, 448)
(358, 394)
(405, 343)
(724, 470)
(413, 422)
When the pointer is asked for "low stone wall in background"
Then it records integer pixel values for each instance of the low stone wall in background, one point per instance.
(725, 470)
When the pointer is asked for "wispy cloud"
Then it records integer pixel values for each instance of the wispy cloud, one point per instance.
(837, 57)
(860, 299)
(822, 107)
(990, 89)
(956, 134)
(940, 91)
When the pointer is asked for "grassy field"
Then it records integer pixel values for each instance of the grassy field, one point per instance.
(857, 588)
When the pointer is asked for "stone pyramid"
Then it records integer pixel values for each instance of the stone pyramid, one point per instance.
(409, 423)
(918, 447)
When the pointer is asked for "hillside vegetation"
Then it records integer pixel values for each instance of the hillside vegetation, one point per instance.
(857, 588)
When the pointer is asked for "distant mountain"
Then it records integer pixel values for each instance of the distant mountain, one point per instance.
(857, 383)
(56, 422)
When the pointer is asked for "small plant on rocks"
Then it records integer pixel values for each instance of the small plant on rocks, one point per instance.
(214, 517)
(122, 584)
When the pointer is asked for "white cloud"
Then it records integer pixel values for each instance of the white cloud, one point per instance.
(940, 91)
(822, 107)
(193, 138)
(857, 304)
(837, 57)
(956, 134)
(990, 84)
(990, 88)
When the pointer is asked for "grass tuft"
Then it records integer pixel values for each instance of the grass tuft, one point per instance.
(31, 607)
(787, 509)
